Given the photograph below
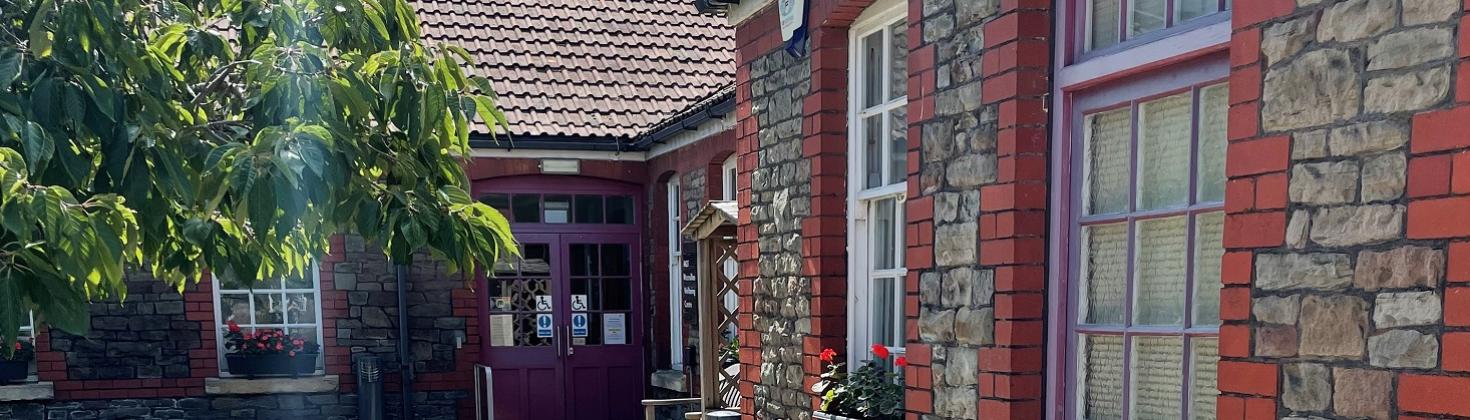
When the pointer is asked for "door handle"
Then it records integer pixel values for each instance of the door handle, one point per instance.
(570, 350)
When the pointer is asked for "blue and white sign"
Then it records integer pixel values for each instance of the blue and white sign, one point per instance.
(793, 26)
(579, 324)
(543, 326)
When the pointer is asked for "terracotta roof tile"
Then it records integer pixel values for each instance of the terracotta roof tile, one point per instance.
(597, 68)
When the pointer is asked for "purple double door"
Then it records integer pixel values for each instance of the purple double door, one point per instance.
(561, 328)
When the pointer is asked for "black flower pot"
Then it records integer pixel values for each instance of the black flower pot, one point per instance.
(14, 370)
(271, 364)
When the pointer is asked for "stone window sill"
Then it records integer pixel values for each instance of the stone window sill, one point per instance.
(669, 379)
(302, 385)
(28, 391)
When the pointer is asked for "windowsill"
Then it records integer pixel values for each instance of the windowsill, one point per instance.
(670, 379)
(30, 391)
(301, 385)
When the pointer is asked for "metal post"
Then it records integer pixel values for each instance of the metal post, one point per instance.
(405, 361)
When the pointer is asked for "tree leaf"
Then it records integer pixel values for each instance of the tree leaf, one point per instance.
(10, 66)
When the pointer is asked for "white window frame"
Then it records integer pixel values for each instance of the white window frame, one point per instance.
(728, 179)
(220, 330)
(877, 17)
(730, 188)
(675, 206)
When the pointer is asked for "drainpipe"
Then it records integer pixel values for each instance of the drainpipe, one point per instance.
(405, 362)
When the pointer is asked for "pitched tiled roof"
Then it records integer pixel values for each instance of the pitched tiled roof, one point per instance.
(588, 68)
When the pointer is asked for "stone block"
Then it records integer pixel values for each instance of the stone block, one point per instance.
(1333, 326)
(1297, 229)
(1367, 137)
(961, 367)
(1403, 349)
(936, 326)
(1281, 310)
(1357, 19)
(1306, 387)
(1285, 39)
(930, 288)
(1362, 393)
(1357, 225)
(1410, 48)
(1399, 268)
(958, 284)
(1276, 340)
(954, 244)
(984, 291)
(1384, 177)
(1303, 271)
(1324, 183)
(971, 170)
(970, 12)
(955, 403)
(1419, 12)
(1406, 309)
(1317, 88)
(1404, 92)
(1309, 144)
(975, 326)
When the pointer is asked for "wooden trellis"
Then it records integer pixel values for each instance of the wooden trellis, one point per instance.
(714, 228)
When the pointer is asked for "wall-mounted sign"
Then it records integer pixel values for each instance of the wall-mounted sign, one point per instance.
(502, 330)
(793, 26)
(579, 302)
(543, 326)
(543, 303)
(579, 324)
(614, 329)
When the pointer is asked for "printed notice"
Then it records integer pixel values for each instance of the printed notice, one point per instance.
(543, 326)
(614, 329)
(502, 330)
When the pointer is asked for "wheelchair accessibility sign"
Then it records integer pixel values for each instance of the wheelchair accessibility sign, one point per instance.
(579, 324)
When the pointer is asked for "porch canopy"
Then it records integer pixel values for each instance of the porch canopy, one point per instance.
(713, 227)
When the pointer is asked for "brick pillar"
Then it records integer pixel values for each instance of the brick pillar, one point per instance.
(1342, 214)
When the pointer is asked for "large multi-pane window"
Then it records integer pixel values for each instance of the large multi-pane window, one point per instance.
(1113, 21)
(291, 304)
(1149, 231)
(877, 161)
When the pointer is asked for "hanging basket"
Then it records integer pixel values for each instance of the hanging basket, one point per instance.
(14, 370)
(271, 364)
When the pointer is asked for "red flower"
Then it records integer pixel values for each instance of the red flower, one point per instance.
(234, 328)
(827, 355)
(901, 361)
(292, 353)
(280, 347)
(880, 351)
(17, 346)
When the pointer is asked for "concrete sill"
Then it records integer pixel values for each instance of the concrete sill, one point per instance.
(28, 392)
(669, 379)
(302, 385)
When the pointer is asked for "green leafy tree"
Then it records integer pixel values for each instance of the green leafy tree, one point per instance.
(229, 136)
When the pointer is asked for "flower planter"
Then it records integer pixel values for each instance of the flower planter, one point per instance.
(271, 364)
(14, 370)
(828, 416)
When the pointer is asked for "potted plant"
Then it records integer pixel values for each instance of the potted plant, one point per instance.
(872, 392)
(16, 366)
(268, 352)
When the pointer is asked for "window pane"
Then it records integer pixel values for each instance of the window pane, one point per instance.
(1104, 23)
(615, 260)
(884, 309)
(619, 209)
(1101, 377)
(235, 307)
(589, 209)
(300, 308)
(898, 148)
(1212, 114)
(303, 280)
(1163, 152)
(1204, 356)
(1157, 379)
(526, 208)
(1160, 272)
(536, 259)
(898, 63)
(558, 209)
(1209, 236)
(269, 309)
(305, 333)
(1190, 9)
(873, 148)
(500, 202)
(885, 245)
(1147, 15)
(584, 259)
(872, 70)
(1104, 273)
(1107, 165)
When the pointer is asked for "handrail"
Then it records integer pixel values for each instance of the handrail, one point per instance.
(650, 405)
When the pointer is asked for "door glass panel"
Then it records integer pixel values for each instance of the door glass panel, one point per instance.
(619, 210)
(1162, 260)
(558, 209)
(1107, 166)
(1104, 272)
(526, 208)
(615, 261)
(536, 260)
(584, 259)
(1101, 377)
(616, 295)
(1157, 382)
(589, 209)
(516, 295)
(1163, 152)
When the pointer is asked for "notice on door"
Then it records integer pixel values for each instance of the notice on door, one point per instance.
(579, 324)
(614, 329)
(579, 302)
(502, 330)
(543, 303)
(543, 326)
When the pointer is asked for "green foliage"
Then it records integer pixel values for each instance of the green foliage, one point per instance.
(179, 136)
(873, 391)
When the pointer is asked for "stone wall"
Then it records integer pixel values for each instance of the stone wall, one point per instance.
(780, 194)
(1342, 215)
(148, 337)
(958, 150)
